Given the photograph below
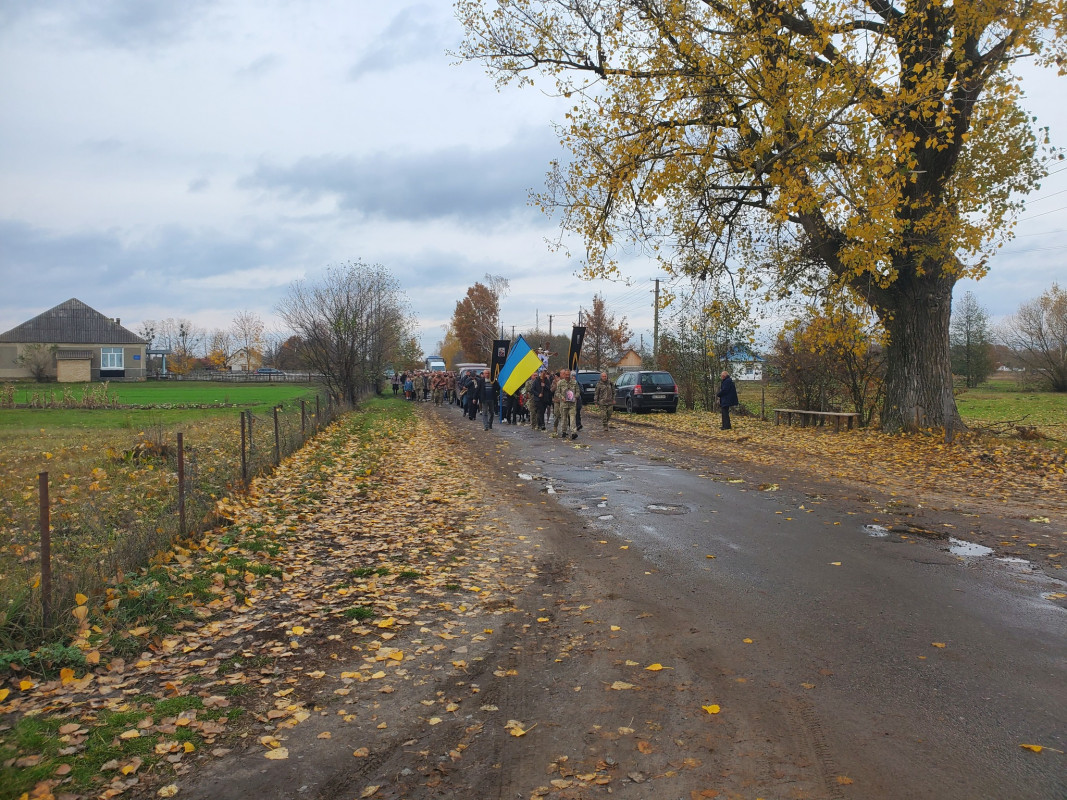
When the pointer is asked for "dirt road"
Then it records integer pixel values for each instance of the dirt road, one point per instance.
(656, 631)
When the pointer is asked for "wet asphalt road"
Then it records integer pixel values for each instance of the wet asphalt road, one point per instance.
(843, 617)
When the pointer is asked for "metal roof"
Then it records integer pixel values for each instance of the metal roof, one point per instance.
(71, 322)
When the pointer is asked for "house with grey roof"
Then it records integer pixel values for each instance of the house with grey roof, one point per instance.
(72, 343)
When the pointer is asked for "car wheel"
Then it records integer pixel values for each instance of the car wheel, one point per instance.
(629, 405)
(672, 410)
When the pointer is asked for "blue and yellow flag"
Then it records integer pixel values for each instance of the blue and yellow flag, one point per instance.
(521, 364)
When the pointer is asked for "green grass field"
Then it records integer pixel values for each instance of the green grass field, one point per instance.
(999, 400)
(112, 477)
(170, 403)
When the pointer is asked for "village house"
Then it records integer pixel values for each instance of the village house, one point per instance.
(72, 343)
(630, 360)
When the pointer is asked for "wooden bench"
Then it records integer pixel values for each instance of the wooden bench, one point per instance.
(818, 418)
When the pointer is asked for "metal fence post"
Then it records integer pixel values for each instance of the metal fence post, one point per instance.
(181, 483)
(303, 419)
(46, 549)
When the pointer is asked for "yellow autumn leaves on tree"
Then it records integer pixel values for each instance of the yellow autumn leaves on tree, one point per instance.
(886, 151)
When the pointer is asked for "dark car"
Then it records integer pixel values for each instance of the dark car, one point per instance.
(270, 371)
(587, 379)
(646, 390)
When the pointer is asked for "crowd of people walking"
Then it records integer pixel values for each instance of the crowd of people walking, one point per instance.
(547, 400)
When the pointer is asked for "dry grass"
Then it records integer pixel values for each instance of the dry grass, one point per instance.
(113, 498)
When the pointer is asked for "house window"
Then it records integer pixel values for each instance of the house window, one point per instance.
(111, 358)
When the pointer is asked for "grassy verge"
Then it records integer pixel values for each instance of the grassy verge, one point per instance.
(178, 698)
(994, 403)
(113, 486)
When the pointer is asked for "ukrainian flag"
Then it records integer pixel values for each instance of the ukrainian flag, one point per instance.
(521, 364)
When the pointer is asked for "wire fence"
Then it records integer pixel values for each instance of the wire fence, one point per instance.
(162, 489)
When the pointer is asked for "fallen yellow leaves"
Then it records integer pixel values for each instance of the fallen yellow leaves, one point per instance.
(712, 709)
(515, 728)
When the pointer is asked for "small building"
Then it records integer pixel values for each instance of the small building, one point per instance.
(631, 360)
(745, 365)
(244, 361)
(72, 343)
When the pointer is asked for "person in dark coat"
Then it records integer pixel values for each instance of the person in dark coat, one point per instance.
(474, 393)
(727, 395)
(489, 395)
(541, 395)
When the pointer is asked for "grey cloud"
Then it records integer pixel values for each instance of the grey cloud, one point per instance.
(126, 24)
(407, 38)
(199, 185)
(103, 146)
(457, 183)
(261, 66)
(38, 265)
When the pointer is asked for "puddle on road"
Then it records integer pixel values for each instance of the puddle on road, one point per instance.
(876, 530)
(958, 547)
(658, 508)
(606, 517)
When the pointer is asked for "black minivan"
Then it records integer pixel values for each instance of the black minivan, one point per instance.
(587, 380)
(646, 390)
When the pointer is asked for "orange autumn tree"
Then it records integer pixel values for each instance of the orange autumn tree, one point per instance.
(884, 140)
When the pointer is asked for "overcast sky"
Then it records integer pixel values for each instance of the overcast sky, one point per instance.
(192, 159)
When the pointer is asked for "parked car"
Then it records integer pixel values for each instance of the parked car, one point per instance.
(270, 371)
(646, 390)
(587, 379)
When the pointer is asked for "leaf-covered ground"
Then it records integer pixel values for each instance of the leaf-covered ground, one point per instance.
(373, 607)
(355, 543)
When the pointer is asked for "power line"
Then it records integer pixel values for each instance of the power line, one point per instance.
(1043, 213)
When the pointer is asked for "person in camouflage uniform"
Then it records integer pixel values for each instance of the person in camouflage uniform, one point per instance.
(566, 396)
(604, 398)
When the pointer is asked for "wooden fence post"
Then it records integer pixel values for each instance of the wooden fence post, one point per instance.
(46, 549)
(181, 483)
(277, 442)
(244, 457)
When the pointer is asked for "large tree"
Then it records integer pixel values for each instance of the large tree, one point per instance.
(350, 325)
(476, 320)
(881, 142)
(605, 337)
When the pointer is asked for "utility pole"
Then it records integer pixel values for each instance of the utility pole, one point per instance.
(513, 333)
(655, 329)
(550, 327)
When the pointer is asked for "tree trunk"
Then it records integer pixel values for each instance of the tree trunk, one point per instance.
(918, 382)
